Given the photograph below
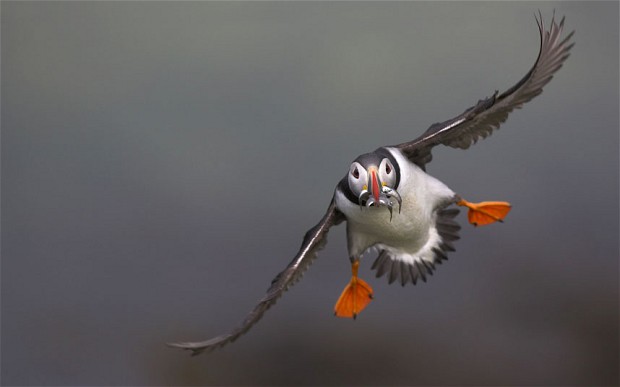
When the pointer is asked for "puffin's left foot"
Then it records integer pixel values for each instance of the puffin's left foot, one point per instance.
(484, 213)
(355, 296)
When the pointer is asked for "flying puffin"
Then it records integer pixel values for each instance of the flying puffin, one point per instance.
(391, 204)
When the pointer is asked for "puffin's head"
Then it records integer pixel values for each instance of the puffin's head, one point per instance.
(373, 179)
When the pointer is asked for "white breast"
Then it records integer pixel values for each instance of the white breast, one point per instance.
(411, 234)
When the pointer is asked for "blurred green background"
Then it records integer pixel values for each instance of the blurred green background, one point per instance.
(161, 162)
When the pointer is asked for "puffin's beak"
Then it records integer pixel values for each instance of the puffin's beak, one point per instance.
(378, 195)
(374, 183)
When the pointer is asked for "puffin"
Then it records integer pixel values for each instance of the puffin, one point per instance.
(392, 206)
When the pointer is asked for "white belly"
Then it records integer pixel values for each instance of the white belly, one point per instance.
(411, 234)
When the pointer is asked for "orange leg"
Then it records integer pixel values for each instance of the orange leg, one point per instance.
(484, 213)
(355, 296)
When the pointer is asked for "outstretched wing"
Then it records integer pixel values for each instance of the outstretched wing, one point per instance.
(315, 240)
(488, 114)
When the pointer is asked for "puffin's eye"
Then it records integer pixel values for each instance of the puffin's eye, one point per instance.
(356, 173)
(388, 169)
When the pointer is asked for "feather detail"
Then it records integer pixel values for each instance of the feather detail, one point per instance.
(314, 240)
(480, 120)
(447, 229)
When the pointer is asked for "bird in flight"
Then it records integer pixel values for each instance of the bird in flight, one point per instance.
(391, 204)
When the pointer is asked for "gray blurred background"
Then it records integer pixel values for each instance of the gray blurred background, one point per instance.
(162, 161)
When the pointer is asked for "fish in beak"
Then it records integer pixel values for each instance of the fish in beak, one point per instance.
(379, 195)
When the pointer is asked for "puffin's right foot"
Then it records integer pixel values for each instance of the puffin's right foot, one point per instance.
(355, 296)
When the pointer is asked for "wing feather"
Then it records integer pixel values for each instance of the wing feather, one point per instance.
(314, 240)
(488, 114)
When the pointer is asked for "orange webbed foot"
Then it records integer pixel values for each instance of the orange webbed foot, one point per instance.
(355, 297)
(484, 213)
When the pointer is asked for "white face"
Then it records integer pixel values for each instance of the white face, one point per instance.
(387, 174)
(374, 186)
(358, 178)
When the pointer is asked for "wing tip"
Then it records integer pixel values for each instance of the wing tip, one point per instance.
(195, 348)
